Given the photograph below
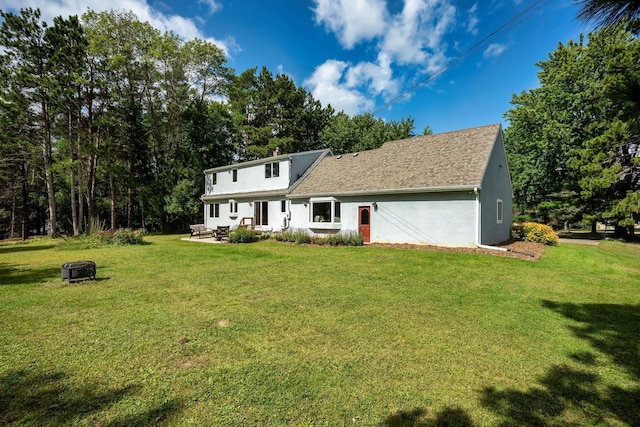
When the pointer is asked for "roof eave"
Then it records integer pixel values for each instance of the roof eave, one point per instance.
(264, 160)
(389, 191)
(247, 195)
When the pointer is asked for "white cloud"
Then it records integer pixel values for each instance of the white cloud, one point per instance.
(352, 21)
(376, 78)
(184, 27)
(212, 5)
(328, 85)
(472, 25)
(413, 37)
(494, 50)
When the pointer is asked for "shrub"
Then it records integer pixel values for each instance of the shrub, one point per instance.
(97, 237)
(346, 238)
(243, 235)
(298, 235)
(534, 232)
(295, 235)
(125, 236)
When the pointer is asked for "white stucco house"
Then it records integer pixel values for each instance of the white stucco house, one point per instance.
(448, 189)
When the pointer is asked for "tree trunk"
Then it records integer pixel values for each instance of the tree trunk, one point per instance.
(72, 179)
(25, 203)
(14, 208)
(594, 227)
(48, 172)
(74, 211)
(91, 179)
(79, 173)
(112, 192)
(620, 232)
(130, 209)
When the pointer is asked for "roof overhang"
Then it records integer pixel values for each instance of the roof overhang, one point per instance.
(389, 191)
(264, 160)
(246, 195)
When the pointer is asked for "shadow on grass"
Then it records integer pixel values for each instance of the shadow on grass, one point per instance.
(418, 417)
(17, 247)
(48, 399)
(567, 395)
(11, 275)
(610, 328)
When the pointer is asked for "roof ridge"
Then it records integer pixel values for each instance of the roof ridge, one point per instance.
(431, 136)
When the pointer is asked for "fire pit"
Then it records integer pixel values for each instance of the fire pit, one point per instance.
(77, 270)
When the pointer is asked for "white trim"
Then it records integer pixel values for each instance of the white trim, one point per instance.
(479, 226)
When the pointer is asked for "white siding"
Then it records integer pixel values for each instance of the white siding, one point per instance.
(246, 209)
(444, 219)
(250, 179)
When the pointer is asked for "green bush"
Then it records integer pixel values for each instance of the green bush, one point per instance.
(345, 238)
(534, 232)
(125, 236)
(243, 235)
(295, 235)
(97, 238)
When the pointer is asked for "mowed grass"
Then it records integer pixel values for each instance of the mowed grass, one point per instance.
(183, 333)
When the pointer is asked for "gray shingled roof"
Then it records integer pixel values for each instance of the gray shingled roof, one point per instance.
(445, 160)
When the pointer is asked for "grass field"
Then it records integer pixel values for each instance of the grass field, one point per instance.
(183, 333)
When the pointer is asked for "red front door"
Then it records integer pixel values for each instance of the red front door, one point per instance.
(364, 222)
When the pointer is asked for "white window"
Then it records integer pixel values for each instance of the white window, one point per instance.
(325, 211)
(214, 178)
(233, 208)
(234, 174)
(214, 210)
(272, 170)
(283, 206)
(500, 211)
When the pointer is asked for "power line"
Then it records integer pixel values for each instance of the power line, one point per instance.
(505, 28)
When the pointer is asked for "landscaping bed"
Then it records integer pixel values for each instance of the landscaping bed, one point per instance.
(529, 251)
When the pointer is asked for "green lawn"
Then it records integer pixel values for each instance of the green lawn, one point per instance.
(182, 333)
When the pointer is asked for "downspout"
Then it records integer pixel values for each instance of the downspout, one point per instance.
(479, 225)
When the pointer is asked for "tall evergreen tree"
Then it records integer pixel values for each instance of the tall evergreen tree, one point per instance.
(566, 139)
(29, 54)
(272, 113)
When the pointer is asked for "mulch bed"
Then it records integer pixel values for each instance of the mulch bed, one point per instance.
(529, 251)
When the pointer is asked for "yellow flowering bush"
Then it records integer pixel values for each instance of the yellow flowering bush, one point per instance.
(541, 233)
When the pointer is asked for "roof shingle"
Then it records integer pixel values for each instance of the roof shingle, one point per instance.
(451, 159)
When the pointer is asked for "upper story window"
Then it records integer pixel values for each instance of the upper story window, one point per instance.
(272, 170)
(234, 175)
(214, 178)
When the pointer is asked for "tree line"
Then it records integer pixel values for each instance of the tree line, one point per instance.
(108, 122)
(573, 143)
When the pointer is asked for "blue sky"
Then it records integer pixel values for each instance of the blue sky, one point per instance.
(359, 55)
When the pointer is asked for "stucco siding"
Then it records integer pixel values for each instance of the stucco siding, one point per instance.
(445, 219)
(246, 208)
(496, 185)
